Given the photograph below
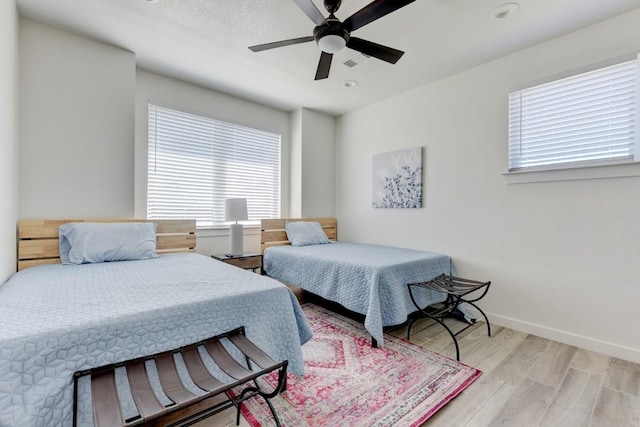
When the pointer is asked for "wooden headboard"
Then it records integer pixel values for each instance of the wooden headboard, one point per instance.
(272, 231)
(38, 239)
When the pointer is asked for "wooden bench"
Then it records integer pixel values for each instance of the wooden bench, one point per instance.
(186, 407)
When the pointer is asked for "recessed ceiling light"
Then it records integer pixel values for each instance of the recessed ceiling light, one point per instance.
(505, 10)
(151, 1)
(350, 83)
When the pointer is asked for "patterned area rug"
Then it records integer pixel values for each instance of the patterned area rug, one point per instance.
(348, 383)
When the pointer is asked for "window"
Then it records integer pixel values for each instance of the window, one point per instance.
(196, 162)
(586, 119)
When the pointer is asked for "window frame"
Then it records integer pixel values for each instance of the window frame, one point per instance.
(586, 169)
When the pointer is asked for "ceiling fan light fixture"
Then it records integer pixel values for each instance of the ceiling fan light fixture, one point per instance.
(331, 37)
(331, 43)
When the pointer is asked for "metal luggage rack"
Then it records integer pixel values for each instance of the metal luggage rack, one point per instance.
(187, 408)
(456, 289)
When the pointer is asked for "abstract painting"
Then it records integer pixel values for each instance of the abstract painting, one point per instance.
(397, 179)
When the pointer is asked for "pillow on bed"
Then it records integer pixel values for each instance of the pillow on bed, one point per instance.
(90, 242)
(303, 233)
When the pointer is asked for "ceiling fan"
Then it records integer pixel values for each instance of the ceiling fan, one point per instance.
(332, 35)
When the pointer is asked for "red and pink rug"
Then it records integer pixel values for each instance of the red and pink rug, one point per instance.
(348, 383)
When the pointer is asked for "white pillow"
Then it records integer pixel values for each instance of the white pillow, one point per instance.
(304, 233)
(91, 242)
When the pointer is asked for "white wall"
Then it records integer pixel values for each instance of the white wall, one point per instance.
(319, 160)
(295, 184)
(76, 125)
(313, 154)
(562, 256)
(188, 97)
(8, 137)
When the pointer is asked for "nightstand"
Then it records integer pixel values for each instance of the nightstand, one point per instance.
(248, 261)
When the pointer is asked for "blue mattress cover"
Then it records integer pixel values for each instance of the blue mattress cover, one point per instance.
(58, 319)
(368, 279)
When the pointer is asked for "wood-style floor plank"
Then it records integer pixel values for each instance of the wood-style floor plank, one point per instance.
(590, 362)
(487, 393)
(623, 376)
(488, 412)
(529, 400)
(515, 367)
(574, 400)
(615, 408)
(551, 368)
(226, 418)
(485, 353)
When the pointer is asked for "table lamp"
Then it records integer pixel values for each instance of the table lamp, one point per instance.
(235, 210)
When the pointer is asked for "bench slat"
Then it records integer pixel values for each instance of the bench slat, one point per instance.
(106, 404)
(142, 392)
(253, 351)
(226, 362)
(170, 380)
(199, 373)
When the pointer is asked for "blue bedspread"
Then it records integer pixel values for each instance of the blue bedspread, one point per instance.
(58, 319)
(368, 279)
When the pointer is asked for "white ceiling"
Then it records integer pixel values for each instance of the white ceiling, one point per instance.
(205, 42)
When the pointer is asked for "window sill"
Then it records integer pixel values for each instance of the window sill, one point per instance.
(619, 170)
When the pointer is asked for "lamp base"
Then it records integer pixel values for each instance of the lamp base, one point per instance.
(235, 239)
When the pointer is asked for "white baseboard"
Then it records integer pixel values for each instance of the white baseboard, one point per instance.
(610, 349)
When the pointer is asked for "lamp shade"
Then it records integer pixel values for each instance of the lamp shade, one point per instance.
(235, 210)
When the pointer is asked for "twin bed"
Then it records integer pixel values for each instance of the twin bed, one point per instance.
(367, 279)
(57, 319)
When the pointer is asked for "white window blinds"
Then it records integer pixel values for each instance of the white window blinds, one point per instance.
(196, 162)
(589, 118)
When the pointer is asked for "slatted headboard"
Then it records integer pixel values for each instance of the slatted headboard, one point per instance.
(272, 231)
(38, 239)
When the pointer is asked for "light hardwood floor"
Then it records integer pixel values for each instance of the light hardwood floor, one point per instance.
(526, 381)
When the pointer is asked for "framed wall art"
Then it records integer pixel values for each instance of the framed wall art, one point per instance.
(397, 179)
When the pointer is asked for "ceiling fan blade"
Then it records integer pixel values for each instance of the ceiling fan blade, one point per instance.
(376, 50)
(324, 66)
(374, 10)
(310, 9)
(261, 47)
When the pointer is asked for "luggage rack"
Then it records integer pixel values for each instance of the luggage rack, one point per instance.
(456, 289)
(187, 408)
